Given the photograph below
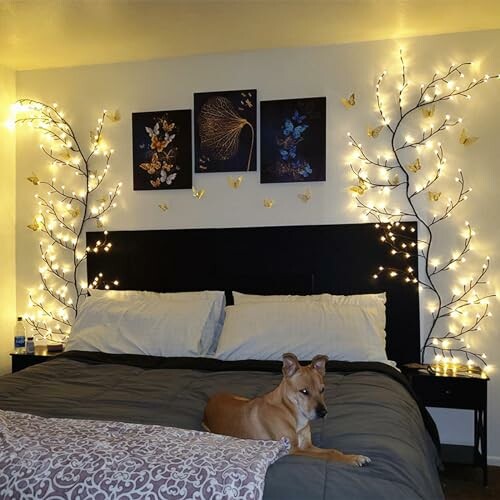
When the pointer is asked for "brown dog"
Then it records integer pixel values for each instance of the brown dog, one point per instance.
(283, 412)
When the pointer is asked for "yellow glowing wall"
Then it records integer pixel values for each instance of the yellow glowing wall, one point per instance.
(8, 220)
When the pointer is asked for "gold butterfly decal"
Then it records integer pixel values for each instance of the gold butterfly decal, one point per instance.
(394, 180)
(163, 207)
(103, 200)
(235, 182)
(198, 193)
(34, 180)
(74, 212)
(268, 203)
(349, 102)
(415, 166)
(99, 223)
(305, 196)
(434, 195)
(360, 189)
(428, 111)
(465, 139)
(34, 226)
(113, 116)
(374, 132)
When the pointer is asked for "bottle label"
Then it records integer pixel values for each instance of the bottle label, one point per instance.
(19, 341)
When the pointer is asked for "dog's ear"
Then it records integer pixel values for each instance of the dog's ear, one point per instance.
(318, 363)
(290, 364)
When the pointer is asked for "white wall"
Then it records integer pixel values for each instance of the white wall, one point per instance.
(7, 225)
(286, 73)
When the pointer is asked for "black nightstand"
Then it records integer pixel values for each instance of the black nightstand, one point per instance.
(21, 361)
(461, 393)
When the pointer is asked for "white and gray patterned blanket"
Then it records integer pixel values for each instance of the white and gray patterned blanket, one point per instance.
(53, 458)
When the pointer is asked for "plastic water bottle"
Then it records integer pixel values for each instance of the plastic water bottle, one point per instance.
(19, 336)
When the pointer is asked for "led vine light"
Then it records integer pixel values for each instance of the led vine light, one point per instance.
(400, 170)
(65, 210)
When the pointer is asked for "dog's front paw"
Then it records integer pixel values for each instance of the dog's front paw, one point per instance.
(358, 460)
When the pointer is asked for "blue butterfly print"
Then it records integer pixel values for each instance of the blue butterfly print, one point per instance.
(299, 129)
(287, 127)
(298, 117)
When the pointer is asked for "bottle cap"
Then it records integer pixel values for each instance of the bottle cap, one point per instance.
(30, 338)
(19, 318)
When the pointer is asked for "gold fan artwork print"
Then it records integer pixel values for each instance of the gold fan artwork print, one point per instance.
(225, 124)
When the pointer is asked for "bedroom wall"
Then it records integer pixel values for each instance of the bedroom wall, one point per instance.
(7, 225)
(333, 71)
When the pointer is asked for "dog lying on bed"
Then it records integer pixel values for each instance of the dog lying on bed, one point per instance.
(284, 412)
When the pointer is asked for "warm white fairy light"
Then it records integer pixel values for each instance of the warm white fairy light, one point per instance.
(62, 222)
(418, 181)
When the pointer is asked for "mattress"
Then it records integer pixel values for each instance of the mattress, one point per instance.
(371, 411)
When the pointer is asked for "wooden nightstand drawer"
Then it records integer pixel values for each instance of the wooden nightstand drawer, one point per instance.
(449, 392)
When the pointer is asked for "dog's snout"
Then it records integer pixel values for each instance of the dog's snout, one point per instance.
(321, 411)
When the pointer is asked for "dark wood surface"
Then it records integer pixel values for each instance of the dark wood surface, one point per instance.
(464, 483)
(338, 259)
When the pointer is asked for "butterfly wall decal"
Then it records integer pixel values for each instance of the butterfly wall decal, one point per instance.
(198, 193)
(394, 180)
(74, 212)
(34, 226)
(34, 179)
(374, 132)
(305, 196)
(434, 195)
(415, 166)
(235, 182)
(113, 116)
(163, 207)
(268, 203)
(360, 189)
(349, 102)
(466, 139)
(428, 111)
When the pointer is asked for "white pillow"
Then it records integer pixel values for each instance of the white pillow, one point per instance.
(151, 326)
(376, 300)
(268, 329)
(213, 327)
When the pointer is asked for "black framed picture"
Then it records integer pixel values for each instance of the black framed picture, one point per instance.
(225, 131)
(293, 140)
(162, 150)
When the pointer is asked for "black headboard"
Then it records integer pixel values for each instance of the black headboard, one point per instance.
(338, 259)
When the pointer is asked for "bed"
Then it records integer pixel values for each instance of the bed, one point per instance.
(372, 410)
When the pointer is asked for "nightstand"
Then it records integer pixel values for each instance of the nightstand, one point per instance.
(23, 360)
(461, 393)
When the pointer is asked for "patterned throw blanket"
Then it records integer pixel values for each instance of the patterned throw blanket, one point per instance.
(46, 458)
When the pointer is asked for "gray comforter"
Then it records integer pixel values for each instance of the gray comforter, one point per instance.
(370, 413)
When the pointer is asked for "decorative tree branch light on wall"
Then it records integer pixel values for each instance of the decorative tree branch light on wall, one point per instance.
(411, 169)
(67, 203)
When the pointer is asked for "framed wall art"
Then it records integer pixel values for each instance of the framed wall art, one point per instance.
(293, 140)
(162, 150)
(225, 131)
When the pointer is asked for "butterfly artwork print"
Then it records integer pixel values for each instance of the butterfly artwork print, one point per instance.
(293, 140)
(162, 157)
(225, 131)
